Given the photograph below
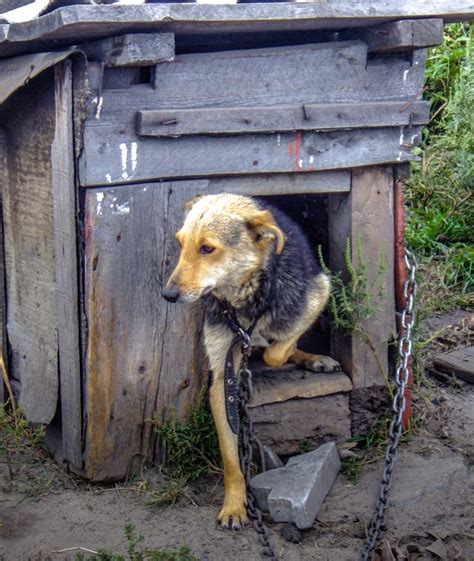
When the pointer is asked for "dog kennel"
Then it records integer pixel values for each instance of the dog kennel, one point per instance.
(317, 105)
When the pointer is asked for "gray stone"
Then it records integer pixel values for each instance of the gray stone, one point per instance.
(295, 492)
(272, 459)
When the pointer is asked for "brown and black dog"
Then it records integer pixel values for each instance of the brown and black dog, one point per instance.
(242, 252)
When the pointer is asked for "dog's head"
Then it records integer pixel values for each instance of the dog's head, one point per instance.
(224, 241)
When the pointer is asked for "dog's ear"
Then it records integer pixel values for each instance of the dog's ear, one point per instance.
(189, 204)
(265, 230)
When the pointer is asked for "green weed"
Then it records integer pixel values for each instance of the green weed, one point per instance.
(352, 300)
(352, 469)
(191, 446)
(136, 551)
(439, 193)
(18, 437)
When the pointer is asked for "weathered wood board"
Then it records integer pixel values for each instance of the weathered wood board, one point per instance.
(129, 158)
(30, 247)
(272, 385)
(3, 307)
(397, 36)
(75, 23)
(143, 353)
(309, 116)
(284, 426)
(365, 216)
(134, 49)
(65, 257)
(213, 90)
(459, 362)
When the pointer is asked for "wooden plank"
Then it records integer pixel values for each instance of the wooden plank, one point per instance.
(337, 181)
(365, 215)
(30, 247)
(128, 158)
(64, 217)
(309, 116)
(133, 49)
(459, 362)
(3, 307)
(255, 76)
(274, 385)
(281, 425)
(73, 24)
(138, 367)
(404, 35)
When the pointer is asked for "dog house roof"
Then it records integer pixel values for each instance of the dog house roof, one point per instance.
(75, 24)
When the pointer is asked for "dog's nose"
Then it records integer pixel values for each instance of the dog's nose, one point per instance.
(171, 294)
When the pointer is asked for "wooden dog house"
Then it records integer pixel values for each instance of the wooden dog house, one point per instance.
(104, 142)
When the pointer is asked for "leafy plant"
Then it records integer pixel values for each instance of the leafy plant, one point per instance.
(17, 435)
(191, 446)
(136, 552)
(352, 300)
(439, 194)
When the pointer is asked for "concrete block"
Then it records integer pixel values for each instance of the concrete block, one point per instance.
(295, 492)
(272, 459)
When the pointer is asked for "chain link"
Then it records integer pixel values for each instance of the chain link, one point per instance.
(398, 407)
(246, 439)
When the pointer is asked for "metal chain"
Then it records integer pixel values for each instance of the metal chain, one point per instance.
(398, 407)
(246, 439)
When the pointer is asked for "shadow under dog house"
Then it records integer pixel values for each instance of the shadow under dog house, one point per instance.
(315, 105)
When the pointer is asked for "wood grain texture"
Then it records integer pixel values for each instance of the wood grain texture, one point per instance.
(127, 158)
(133, 49)
(309, 116)
(30, 248)
(66, 281)
(274, 385)
(142, 355)
(82, 23)
(366, 217)
(284, 426)
(396, 36)
(459, 362)
(3, 306)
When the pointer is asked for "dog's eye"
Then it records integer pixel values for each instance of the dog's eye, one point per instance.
(206, 249)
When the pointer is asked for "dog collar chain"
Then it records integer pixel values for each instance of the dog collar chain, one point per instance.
(238, 392)
(231, 379)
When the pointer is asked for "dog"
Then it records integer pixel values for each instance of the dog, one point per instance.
(242, 252)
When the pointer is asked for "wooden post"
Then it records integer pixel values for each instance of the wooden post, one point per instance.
(3, 307)
(365, 216)
(65, 259)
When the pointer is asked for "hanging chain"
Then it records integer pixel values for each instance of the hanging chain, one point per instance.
(399, 402)
(246, 439)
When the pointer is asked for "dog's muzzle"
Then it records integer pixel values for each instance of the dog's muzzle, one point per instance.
(171, 294)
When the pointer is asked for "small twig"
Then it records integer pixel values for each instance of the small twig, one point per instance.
(80, 548)
(457, 205)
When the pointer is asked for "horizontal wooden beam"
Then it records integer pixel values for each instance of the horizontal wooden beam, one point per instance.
(134, 49)
(310, 116)
(127, 158)
(73, 24)
(404, 35)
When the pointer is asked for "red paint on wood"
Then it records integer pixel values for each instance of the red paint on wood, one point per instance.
(297, 149)
(400, 278)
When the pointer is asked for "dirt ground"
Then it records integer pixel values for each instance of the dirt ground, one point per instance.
(431, 514)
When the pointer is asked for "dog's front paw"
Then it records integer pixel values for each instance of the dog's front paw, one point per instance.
(322, 363)
(233, 515)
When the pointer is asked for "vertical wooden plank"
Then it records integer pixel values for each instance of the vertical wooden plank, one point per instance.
(141, 354)
(64, 205)
(29, 118)
(365, 215)
(3, 308)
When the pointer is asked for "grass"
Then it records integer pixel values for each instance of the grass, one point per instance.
(137, 552)
(439, 193)
(191, 446)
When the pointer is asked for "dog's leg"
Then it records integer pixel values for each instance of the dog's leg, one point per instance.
(233, 513)
(285, 351)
